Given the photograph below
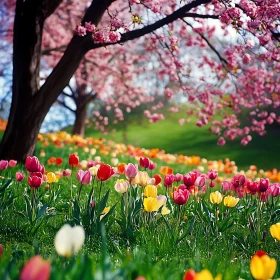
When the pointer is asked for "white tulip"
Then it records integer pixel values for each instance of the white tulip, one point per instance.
(69, 240)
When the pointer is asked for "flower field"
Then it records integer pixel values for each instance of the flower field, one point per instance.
(94, 209)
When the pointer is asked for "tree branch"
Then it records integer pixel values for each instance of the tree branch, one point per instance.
(62, 103)
(194, 15)
(223, 60)
(180, 13)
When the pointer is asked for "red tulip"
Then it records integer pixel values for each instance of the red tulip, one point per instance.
(58, 161)
(19, 176)
(238, 180)
(152, 165)
(36, 268)
(189, 179)
(32, 164)
(263, 184)
(168, 180)
(104, 172)
(4, 164)
(189, 275)
(253, 187)
(1, 250)
(157, 178)
(144, 162)
(35, 181)
(73, 160)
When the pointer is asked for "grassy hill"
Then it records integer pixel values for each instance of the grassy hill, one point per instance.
(191, 140)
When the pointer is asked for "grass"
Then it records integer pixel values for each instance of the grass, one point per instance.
(190, 140)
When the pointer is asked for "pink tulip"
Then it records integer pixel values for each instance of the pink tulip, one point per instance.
(66, 172)
(3, 164)
(238, 180)
(178, 177)
(12, 163)
(19, 176)
(181, 196)
(226, 186)
(130, 170)
(84, 177)
(32, 164)
(189, 179)
(1, 250)
(36, 268)
(221, 141)
(152, 166)
(35, 181)
(275, 189)
(168, 181)
(200, 181)
(212, 174)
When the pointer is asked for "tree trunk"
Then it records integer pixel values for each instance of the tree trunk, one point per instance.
(29, 103)
(80, 118)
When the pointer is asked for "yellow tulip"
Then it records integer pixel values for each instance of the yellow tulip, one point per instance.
(262, 266)
(151, 204)
(51, 178)
(230, 201)
(216, 197)
(150, 191)
(275, 231)
(104, 212)
(205, 274)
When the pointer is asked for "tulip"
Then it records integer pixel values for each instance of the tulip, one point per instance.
(144, 162)
(84, 177)
(189, 275)
(114, 161)
(152, 165)
(32, 164)
(19, 176)
(36, 268)
(121, 186)
(230, 201)
(263, 184)
(178, 177)
(69, 240)
(181, 196)
(168, 180)
(189, 179)
(157, 179)
(130, 170)
(216, 197)
(200, 181)
(51, 178)
(90, 164)
(275, 189)
(42, 169)
(105, 212)
(275, 231)
(141, 179)
(12, 163)
(104, 172)
(212, 174)
(35, 181)
(66, 172)
(238, 180)
(58, 161)
(150, 191)
(151, 204)
(262, 266)
(226, 186)
(73, 160)
(1, 250)
(4, 164)
(253, 187)
(161, 199)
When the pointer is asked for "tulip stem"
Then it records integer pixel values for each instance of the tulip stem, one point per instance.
(99, 191)
(216, 220)
(72, 183)
(80, 192)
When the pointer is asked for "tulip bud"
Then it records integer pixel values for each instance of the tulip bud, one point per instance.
(275, 190)
(212, 184)
(4, 164)
(168, 181)
(130, 170)
(92, 204)
(66, 172)
(144, 162)
(189, 275)
(181, 197)
(36, 268)
(121, 186)
(152, 165)
(35, 181)
(263, 184)
(212, 174)
(84, 177)
(19, 176)
(12, 163)
(32, 164)
(73, 160)
(1, 250)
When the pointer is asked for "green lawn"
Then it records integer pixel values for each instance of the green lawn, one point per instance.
(191, 140)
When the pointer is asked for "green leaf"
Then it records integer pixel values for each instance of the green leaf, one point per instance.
(42, 211)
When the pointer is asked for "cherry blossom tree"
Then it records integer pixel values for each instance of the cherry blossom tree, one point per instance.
(217, 76)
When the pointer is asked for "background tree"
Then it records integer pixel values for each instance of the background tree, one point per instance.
(31, 101)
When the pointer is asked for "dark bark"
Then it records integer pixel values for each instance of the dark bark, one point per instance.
(79, 124)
